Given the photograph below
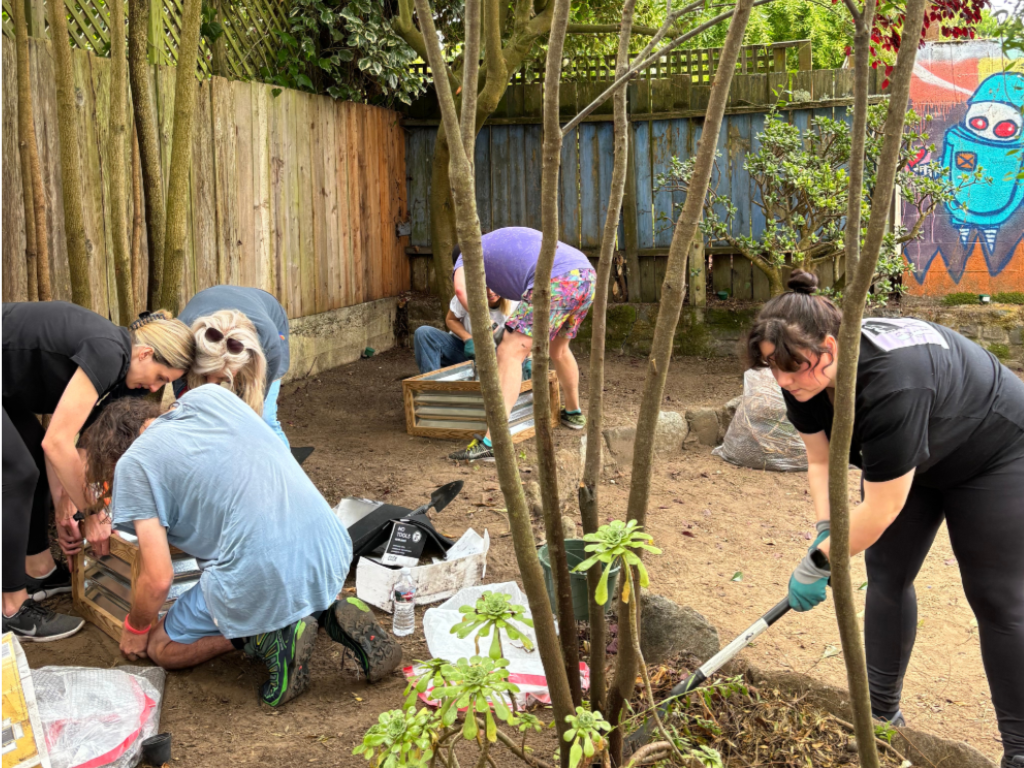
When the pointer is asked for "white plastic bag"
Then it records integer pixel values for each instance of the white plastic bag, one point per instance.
(525, 667)
(95, 717)
(760, 436)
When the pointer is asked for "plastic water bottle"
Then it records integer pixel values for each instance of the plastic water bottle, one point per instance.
(404, 615)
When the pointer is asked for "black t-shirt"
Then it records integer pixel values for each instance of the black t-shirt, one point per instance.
(927, 398)
(45, 342)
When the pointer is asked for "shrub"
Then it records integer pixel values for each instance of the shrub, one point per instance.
(1009, 297)
(954, 299)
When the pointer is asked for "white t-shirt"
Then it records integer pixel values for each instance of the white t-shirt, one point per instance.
(497, 318)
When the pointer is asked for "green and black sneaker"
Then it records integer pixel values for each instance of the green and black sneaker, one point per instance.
(477, 450)
(573, 419)
(376, 651)
(286, 653)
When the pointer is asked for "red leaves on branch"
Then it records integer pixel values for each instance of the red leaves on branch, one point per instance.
(957, 19)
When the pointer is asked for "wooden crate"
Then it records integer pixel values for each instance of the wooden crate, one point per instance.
(448, 404)
(102, 588)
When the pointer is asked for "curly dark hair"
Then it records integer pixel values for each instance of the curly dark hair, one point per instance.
(795, 322)
(113, 433)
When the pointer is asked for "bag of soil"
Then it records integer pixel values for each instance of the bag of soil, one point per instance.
(760, 436)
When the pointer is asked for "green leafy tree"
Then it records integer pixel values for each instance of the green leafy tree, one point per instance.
(346, 49)
(802, 188)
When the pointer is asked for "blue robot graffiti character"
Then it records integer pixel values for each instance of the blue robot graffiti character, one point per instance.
(986, 139)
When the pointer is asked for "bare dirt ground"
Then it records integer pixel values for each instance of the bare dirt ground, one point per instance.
(711, 519)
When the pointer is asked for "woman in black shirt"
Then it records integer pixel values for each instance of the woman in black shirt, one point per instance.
(939, 434)
(61, 359)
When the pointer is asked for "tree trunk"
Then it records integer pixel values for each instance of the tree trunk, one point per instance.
(672, 294)
(118, 174)
(548, 470)
(849, 353)
(68, 107)
(220, 45)
(176, 238)
(589, 497)
(138, 286)
(37, 249)
(149, 144)
(468, 227)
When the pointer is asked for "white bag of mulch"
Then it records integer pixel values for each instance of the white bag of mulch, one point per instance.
(760, 436)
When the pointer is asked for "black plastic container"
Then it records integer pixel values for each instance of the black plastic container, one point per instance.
(156, 750)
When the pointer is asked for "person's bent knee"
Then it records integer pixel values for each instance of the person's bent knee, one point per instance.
(514, 348)
(22, 478)
(157, 644)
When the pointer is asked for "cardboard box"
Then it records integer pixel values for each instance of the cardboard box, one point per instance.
(465, 566)
(23, 743)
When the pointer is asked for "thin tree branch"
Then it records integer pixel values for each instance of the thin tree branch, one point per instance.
(643, 64)
(470, 74)
(607, 29)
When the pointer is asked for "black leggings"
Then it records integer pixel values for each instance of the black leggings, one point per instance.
(26, 495)
(985, 518)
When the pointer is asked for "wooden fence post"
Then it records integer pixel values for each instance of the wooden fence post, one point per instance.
(156, 31)
(35, 15)
(805, 56)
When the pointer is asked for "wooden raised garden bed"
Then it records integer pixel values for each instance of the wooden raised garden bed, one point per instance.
(448, 404)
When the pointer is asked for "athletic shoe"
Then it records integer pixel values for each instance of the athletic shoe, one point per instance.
(57, 582)
(286, 653)
(477, 450)
(35, 623)
(573, 420)
(1017, 761)
(375, 650)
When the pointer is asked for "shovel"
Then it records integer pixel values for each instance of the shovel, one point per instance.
(640, 737)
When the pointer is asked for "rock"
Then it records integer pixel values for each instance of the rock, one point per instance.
(620, 442)
(569, 531)
(570, 475)
(704, 425)
(725, 415)
(667, 629)
(670, 432)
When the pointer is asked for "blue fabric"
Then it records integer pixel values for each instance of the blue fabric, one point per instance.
(189, 620)
(265, 312)
(437, 349)
(270, 411)
(230, 494)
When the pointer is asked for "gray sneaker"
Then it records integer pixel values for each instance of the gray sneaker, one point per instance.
(573, 420)
(1015, 761)
(896, 721)
(35, 623)
(477, 450)
(57, 583)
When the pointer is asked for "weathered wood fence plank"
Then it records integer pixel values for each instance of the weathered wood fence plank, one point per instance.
(296, 194)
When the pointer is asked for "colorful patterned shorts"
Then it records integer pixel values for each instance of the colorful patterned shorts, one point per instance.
(571, 296)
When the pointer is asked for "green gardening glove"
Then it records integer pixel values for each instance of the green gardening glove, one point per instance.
(808, 582)
(468, 349)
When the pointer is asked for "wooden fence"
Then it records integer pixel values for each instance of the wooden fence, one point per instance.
(296, 194)
(666, 119)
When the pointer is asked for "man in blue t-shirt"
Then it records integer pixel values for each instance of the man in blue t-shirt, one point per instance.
(211, 478)
(510, 261)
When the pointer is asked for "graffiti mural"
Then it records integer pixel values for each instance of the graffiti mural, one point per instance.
(975, 100)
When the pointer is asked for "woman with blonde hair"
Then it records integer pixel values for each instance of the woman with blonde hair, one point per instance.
(241, 337)
(62, 359)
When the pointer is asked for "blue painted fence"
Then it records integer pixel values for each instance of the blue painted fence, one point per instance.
(508, 175)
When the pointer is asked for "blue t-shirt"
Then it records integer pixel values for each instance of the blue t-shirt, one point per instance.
(263, 310)
(510, 260)
(230, 494)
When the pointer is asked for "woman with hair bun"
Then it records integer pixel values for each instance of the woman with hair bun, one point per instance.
(939, 434)
(241, 337)
(62, 359)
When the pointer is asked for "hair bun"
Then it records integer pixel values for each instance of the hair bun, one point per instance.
(802, 282)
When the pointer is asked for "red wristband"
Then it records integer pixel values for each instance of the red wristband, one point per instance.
(133, 630)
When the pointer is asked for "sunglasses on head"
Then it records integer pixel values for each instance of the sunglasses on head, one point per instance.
(234, 346)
